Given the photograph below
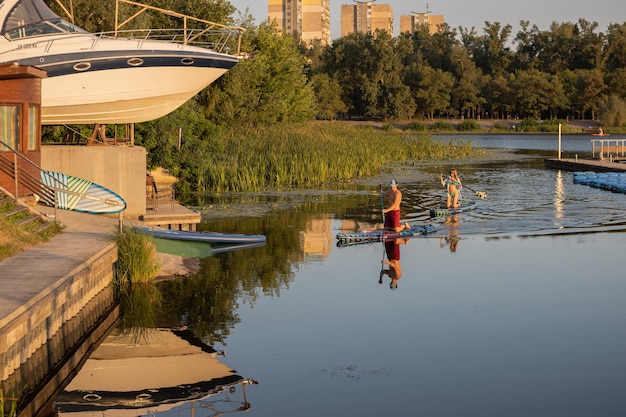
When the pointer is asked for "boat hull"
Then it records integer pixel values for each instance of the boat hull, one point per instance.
(130, 95)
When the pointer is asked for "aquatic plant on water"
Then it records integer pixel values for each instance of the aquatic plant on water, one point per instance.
(139, 304)
(305, 156)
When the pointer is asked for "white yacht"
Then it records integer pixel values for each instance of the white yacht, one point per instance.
(112, 78)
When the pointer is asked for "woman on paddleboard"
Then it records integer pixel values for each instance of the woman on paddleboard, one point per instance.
(453, 186)
(391, 214)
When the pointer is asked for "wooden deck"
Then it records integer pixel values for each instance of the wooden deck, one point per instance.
(578, 164)
(172, 216)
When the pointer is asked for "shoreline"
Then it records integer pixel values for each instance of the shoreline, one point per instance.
(585, 125)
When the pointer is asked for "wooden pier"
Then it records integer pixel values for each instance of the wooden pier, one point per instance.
(578, 164)
(172, 216)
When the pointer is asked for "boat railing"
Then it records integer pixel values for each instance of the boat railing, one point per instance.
(195, 31)
(613, 149)
(221, 41)
(230, 35)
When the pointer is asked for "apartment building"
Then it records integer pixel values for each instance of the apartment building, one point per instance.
(417, 20)
(308, 20)
(365, 16)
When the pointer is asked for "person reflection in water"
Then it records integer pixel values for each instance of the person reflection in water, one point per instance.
(392, 249)
(453, 237)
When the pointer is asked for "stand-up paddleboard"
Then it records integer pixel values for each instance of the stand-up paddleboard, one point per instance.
(77, 194)
(196, 249)
(464, 205)
(193, 244)
(346, 239)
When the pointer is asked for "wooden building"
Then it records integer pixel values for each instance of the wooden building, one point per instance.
(20, 123)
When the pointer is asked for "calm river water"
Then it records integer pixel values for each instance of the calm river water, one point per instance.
(514, 309)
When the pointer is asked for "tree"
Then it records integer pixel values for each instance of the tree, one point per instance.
(615, 48)
(270, 87)
(498, 96)
(431, 89)
(489, 52)
(466, 93)
(534, 92)
(586, 90)
(328, 95)
(369, 68)
(612, 111)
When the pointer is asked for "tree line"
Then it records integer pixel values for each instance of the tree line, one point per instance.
(570, 70)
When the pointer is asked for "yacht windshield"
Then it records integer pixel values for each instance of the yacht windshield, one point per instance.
(34, 18)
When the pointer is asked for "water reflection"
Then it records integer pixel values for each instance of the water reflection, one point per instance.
(559, 197)
(452, 240)
(394, 270)
(165, 371)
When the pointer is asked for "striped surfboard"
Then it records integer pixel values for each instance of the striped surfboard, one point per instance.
(78, 194)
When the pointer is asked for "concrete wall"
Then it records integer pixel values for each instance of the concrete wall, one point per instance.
(30, 327)
(120, 169)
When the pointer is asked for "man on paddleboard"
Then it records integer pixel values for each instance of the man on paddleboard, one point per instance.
(391, 214)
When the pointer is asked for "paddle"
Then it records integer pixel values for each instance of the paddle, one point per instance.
(480, 194)
(382, 201)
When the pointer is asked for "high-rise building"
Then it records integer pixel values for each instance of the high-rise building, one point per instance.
(365, 16)
(306, 19)
(417, 20)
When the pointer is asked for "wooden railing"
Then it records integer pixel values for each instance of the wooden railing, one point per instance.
(23, 179)
(612, 149)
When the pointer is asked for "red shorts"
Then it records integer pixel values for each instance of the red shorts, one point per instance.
(393, 250)
(392, 219)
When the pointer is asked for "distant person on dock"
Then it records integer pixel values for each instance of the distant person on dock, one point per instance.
(600, 131)
(391, 214)
(453, 187)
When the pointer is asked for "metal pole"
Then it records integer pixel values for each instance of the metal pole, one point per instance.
(560, 125)
(15, 175)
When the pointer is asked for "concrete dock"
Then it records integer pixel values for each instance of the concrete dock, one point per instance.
(26, 275)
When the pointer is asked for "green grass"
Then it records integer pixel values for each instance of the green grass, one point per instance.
(15, 239)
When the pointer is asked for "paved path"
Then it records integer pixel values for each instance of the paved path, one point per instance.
(33, 271)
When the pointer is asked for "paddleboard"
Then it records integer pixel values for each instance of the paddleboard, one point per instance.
(465, 205)
(197, 249)
(378, 235)
(208, 237)
(78, 194)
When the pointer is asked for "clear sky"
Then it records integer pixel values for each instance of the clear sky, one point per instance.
(473, 13)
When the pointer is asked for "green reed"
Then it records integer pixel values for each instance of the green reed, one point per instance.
(313, 155)
(8, 406)
(137, 261)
